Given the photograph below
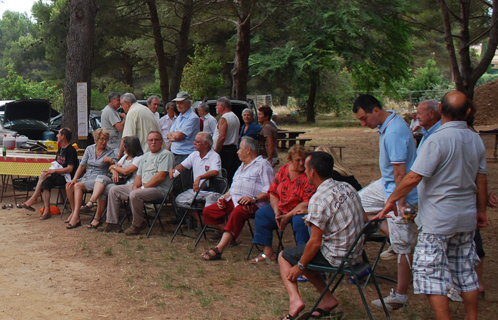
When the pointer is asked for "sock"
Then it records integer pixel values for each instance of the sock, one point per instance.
(402, 297)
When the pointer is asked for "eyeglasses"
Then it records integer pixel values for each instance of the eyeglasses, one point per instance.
(152, 140)
(104, 139)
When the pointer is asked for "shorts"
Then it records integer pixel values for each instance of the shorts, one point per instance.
(401, 234)
(436, 256)
(478, 241)
(294, 254)
(55, 180)
(88, 184)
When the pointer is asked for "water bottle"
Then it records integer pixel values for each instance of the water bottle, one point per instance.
(4, 151)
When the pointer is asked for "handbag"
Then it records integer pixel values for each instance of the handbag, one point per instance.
(123, 179)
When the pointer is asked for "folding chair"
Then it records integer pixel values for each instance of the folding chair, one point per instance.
(348, 268)
(375, 237)
(158, 205)
(213, 184)
(280, 236)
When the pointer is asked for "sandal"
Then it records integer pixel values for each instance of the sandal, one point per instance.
(45, 217)
(210, 257)
(25, 206)
(70, 226)
(93, 226)
(265, 258)
(88, 208)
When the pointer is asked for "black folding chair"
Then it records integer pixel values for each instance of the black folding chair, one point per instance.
(348, 267)
(213, 184)
(280, 236)
(158, 205)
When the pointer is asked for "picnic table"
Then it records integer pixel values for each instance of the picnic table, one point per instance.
(492, 133)
(21, 164)
(288, 138)
(331, 147)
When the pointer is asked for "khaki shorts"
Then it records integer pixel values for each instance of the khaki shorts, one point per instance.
(401, 234)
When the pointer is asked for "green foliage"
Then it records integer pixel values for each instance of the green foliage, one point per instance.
(15, 87)
(485, 78)
(154, 88)
(104, 87)
(426, 78)
(201, 76)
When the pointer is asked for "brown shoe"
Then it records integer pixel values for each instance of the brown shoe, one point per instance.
(134, 230)
(110, 227)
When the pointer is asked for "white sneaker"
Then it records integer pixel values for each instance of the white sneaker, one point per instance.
(453, 294)
(389, 254)
(391, 301)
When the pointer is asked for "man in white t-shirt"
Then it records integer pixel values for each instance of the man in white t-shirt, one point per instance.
(226, 137)
(113, 121)
(205, 163)
(209, 122)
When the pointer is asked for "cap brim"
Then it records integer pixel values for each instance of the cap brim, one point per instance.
(178, 99)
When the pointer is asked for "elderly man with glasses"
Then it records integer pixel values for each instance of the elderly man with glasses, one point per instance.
(151, 183)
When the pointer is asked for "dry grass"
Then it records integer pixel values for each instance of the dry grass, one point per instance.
(139, 278)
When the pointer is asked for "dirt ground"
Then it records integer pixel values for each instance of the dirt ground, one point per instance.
(50, 272)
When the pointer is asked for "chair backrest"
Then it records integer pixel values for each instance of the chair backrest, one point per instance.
(215, 184)
(224, 173)
(370, 228)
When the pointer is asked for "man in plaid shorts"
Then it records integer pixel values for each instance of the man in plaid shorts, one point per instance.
(450, 172)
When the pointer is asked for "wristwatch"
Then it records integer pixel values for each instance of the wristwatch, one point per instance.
(255, 199)
(301, 266)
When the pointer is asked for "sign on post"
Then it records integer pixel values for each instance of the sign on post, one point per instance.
(82, 102)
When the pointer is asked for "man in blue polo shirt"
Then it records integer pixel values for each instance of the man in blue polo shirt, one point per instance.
(181, 136)
(396, 155)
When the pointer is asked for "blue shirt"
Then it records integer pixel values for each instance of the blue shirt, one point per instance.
(252, 131)
(396, 146)
(427, 133)
(188, 124)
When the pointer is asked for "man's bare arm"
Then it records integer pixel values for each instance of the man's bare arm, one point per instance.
(222, 133)
(481, 199)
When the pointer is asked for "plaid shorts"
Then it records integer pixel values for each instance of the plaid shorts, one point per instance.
(436, 256)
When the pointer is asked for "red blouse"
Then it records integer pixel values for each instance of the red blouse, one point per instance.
(290, 192)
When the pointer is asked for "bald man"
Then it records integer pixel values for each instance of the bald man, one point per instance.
(450, 172)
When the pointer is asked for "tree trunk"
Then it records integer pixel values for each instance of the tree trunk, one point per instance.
(240, 71)
(181, 47)
(310, 103)
(159, 48)
(464, 76)
(80, 41)
(128, 73)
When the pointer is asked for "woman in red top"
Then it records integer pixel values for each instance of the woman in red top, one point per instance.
(289, 193)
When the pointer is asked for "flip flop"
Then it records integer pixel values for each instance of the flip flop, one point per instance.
(70, 226)
(326, 314)
(24, 206)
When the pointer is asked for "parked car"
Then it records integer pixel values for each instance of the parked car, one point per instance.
(30, 117)
(238, 106)
(94, 123)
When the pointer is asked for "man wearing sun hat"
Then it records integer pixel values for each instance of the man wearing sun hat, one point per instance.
(181, 136)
